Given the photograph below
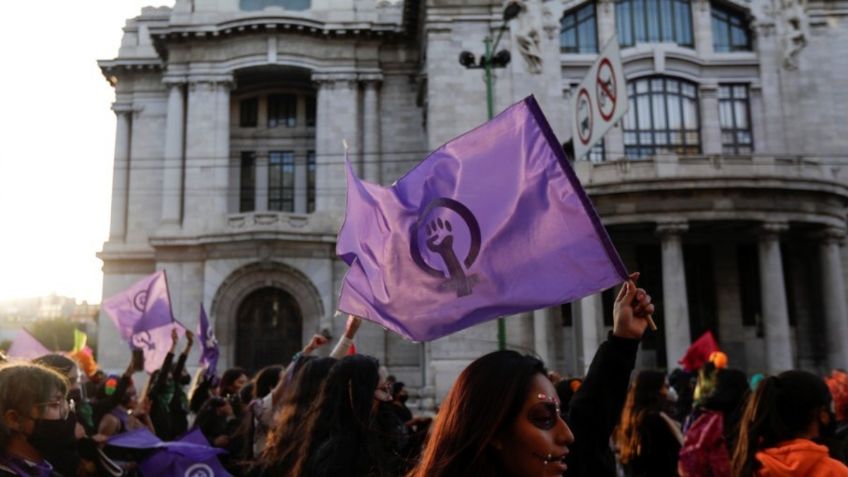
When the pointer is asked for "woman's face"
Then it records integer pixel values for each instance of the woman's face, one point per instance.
(536, 443)
(239, 383)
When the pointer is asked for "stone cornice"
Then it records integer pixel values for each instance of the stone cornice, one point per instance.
(163, 35)
(111, 68)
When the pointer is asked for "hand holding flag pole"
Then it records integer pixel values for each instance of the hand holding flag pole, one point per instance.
(632, 310)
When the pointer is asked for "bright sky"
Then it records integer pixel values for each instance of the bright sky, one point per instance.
(57, 136)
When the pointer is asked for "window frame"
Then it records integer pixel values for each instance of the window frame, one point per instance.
(277, 106)
(280, 196)
(311, 178)
(249, 116)
(592, 19)
(247, 173)
(642, 33)
(638, 149)
(735, 145)
(729, 14)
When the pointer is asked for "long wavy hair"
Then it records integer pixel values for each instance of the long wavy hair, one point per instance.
(643, 399)
(284, 437)
(338, 437)
(483, 402)
(781, 409)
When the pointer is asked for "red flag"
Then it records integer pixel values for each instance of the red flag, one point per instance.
(699, 352)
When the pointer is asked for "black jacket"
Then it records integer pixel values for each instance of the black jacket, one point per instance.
(596, 408)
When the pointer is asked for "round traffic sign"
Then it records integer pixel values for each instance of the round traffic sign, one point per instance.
(583, 116)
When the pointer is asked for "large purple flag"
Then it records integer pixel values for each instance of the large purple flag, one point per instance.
(25, 346)
(208, 343)
(156, 343)
(145, 305)
(493, 223)
(189, 456)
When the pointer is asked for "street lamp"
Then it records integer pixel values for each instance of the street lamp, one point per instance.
(487, 62)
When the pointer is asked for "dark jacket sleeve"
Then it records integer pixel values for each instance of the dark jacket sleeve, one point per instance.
(157, 386)
(596, 407)
(178, 369)
(201, 393)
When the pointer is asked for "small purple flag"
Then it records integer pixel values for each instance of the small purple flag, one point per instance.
(143, 306)
(493, 223)
(209, 344)
(25, 346)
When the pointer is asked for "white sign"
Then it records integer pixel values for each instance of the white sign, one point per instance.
(599, 101)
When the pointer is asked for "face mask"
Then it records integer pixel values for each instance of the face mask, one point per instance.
(672, 395)
(168, 391)
(50, 435)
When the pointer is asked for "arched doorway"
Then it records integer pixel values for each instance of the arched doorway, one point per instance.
(269, 326)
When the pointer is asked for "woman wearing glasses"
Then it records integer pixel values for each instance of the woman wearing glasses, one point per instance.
(503, 418)
(34, 409)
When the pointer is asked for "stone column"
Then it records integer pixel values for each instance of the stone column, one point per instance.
(833, 290)
(605, 10)
(121, 172)
(676, 305)
(710, 124)
(337, 120)
(208, 168)
(172, 176)
(300, 184)
(702, 27)
(261, 183)
(779, 356)
(587, 323)
(541, 332)
(371, 157)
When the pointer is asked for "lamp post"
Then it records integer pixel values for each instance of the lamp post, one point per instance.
(487, 63)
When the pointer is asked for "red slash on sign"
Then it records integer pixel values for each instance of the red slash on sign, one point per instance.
(606, 89)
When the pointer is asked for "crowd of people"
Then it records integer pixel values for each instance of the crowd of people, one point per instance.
(506, 415)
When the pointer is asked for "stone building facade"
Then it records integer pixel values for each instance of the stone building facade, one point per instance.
(725, 184)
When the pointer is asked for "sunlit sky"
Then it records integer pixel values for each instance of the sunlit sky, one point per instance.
(57, 138)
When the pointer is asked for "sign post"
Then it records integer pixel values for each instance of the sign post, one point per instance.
(601, 100)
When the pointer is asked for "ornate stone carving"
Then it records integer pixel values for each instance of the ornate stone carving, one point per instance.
(527, 36)
(793, 29)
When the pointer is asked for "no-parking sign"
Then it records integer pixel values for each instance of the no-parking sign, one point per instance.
(600, 100)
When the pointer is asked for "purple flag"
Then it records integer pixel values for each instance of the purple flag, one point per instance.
(493, 223)
(209, 344)
(189, 456)
(143, 306)
(156, 343)
(25, 346)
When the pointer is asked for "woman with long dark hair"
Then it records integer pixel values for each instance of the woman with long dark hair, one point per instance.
(285, 436)
(648, 440)
(340, 435)
(502, 415)
(781, 420)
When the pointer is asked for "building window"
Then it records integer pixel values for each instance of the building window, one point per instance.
(310, 181)
(662, 118)
(254, 5)
(282, 110)
(281, 181)
(247, 192)
(652, 21)
(735, 119)
(597, 153)
(729, 30)
(248, 112)
(577, 30)
(310, 111)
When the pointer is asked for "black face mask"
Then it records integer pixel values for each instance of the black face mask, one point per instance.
(50, 435)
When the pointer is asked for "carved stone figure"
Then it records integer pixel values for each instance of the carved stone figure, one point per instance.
(527, 36)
